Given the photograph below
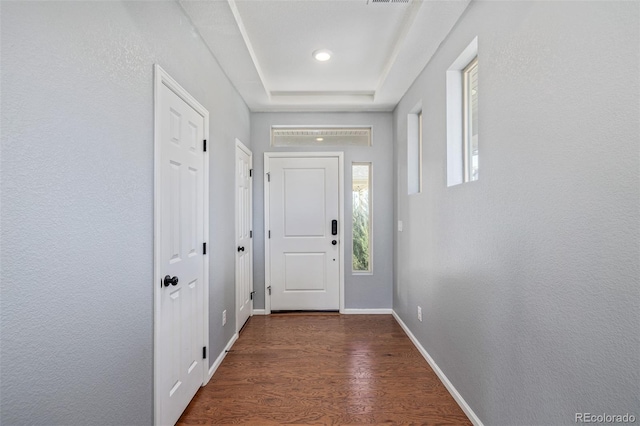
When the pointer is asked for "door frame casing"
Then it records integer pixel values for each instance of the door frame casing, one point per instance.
(161, 77)
(243, 147)
(267, 195)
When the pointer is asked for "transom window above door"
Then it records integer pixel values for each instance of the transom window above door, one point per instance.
(286, 136)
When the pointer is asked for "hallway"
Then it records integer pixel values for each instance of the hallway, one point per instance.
(323, 369)
(488, 198)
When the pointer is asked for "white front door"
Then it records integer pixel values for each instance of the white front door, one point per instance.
(244, 256)
(180, 258)
(304, 242)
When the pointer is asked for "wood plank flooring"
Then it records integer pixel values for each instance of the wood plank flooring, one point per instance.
(323, 369)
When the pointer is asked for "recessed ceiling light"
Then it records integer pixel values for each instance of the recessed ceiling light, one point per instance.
(322, 55)
(319, 139)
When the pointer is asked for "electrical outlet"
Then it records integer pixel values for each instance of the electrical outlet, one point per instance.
(224, 317)
(419, 314)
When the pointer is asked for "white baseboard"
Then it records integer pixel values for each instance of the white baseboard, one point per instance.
(367, 311)
(344, 311)
(218, 361)
(445, 381)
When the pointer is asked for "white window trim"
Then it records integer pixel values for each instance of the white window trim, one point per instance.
(455, 116)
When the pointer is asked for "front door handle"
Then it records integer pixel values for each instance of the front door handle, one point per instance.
(170, 281)
(240, 249)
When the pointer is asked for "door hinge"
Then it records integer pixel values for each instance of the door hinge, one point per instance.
(269, 288)
(204, 145)
(250, 234)
(251, 295)
(269, 233)
(268, 176)
(204, 352)
(204, 248)
(250, 172)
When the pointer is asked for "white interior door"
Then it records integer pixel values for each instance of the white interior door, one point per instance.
(180, 259)
(244, 256)
(304, 247)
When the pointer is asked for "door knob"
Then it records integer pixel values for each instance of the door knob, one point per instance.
(240, 249)
(168, 280)
(334, 242)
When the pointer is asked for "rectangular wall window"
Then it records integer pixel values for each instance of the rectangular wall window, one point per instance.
(462, 117)
(414, 151)
(361, 217)
(470, 108)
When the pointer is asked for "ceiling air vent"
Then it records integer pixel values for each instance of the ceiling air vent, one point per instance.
(320, 136)
(387, 1)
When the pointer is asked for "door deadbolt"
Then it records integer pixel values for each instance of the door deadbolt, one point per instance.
(170, 281)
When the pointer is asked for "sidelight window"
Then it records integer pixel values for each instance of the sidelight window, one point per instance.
(361, 217)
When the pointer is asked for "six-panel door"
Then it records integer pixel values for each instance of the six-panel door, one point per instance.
(244, 264)
(181, 238)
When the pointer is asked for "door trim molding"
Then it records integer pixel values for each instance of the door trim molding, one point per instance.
(243, 147)
(161, 77)
(267, 195)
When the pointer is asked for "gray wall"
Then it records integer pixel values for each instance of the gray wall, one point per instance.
(361, 291)
(529, 277)
(77, 203)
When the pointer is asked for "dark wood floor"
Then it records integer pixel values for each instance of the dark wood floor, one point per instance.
(323, 369)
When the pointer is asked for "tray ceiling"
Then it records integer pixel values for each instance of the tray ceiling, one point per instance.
(378, 48)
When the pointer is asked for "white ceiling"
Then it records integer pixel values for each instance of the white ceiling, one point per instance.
(379, 48)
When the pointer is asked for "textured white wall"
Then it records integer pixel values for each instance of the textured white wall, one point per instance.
(77, 203)
(529, 278)
(361, 291)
